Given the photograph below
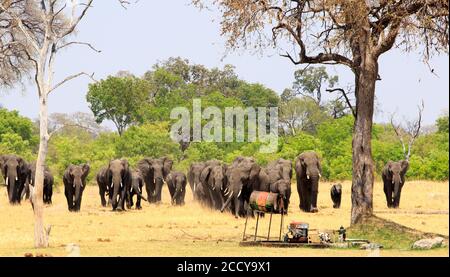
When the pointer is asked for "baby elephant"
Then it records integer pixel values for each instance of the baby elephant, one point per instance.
(176, 181)
(336, 195)
(283, 188)
(137, 182)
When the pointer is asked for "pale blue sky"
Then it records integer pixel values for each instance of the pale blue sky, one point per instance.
(151, 31)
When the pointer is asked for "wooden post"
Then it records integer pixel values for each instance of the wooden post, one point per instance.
(270, 225)
(245, 227)
(281, 224)
(257, 222)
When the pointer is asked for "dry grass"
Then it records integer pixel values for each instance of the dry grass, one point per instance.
(195, 231)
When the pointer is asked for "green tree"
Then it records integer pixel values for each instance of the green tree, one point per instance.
(147, 140)
(301, 114)
(442, 124)
(121, 100)
(312, 82)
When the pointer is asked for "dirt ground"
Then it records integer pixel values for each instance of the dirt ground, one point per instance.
(164, 230)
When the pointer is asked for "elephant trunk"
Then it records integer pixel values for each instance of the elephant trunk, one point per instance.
(11, 181)
(314, 191)
(159, 181)
(77, 202)
(177, 192)
(116, 186)
(227, 203)
(397, 183)
(138, 192)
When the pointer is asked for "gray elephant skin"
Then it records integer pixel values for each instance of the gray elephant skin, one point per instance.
(308, 172)
(393, 176)
(48, 183)
(15, 171)
(214, 182)
(336, 195)
(74, 179)
(176, 182)
(154, 172)
(243, 179)
(137, 183)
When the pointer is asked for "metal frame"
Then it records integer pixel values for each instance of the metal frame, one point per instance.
(258, 214)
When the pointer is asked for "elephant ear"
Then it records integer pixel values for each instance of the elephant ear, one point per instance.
(167, 166)
(86, 168)
(405, 166)
(204, 175)
(299, 166)
(254, 171)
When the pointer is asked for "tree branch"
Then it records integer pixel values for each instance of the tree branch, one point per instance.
(71, 78)
(347, 100)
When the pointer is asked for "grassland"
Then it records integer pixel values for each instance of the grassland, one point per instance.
(164, 230)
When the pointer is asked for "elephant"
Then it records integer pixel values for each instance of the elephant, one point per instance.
(48, 183)
(284, 167)
(242, 177)
(308, 172)
(176, 182)
(137, 182)
(118, 175)
(280, 169)
(155, 172)
(283, 188)
(15, 171)
(103, 186)
(194, 172)
(213, 180)
(336, 195)
(393, 176)
(74, 179)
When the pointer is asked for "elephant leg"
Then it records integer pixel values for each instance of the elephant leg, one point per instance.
(388, 193)
(138, 202)
(69, 198)
(123, 198)
(300, 193)
(102, 197)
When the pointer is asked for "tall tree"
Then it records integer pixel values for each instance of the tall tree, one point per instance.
(106, 100)
(55, 21)
(352, 33)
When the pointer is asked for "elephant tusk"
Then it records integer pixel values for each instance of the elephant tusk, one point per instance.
(307, 177)
(320, 175)
(239, 193)
(7, 179)
(17, 178)
(194, 187)
(393, 181)
(112, 184)
(121, 184)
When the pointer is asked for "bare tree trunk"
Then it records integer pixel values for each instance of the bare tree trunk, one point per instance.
(40, 233)
(363, 166)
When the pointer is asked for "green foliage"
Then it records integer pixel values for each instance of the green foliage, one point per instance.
(16, 134)
(312, 81)
(148, 140)
(119, 99)
(442, 124)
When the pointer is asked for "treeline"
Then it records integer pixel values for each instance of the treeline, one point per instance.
(140, 109)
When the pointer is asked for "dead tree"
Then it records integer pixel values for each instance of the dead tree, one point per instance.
(411, 132)
(59, 22)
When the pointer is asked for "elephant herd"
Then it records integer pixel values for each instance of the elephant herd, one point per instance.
(219, 186)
